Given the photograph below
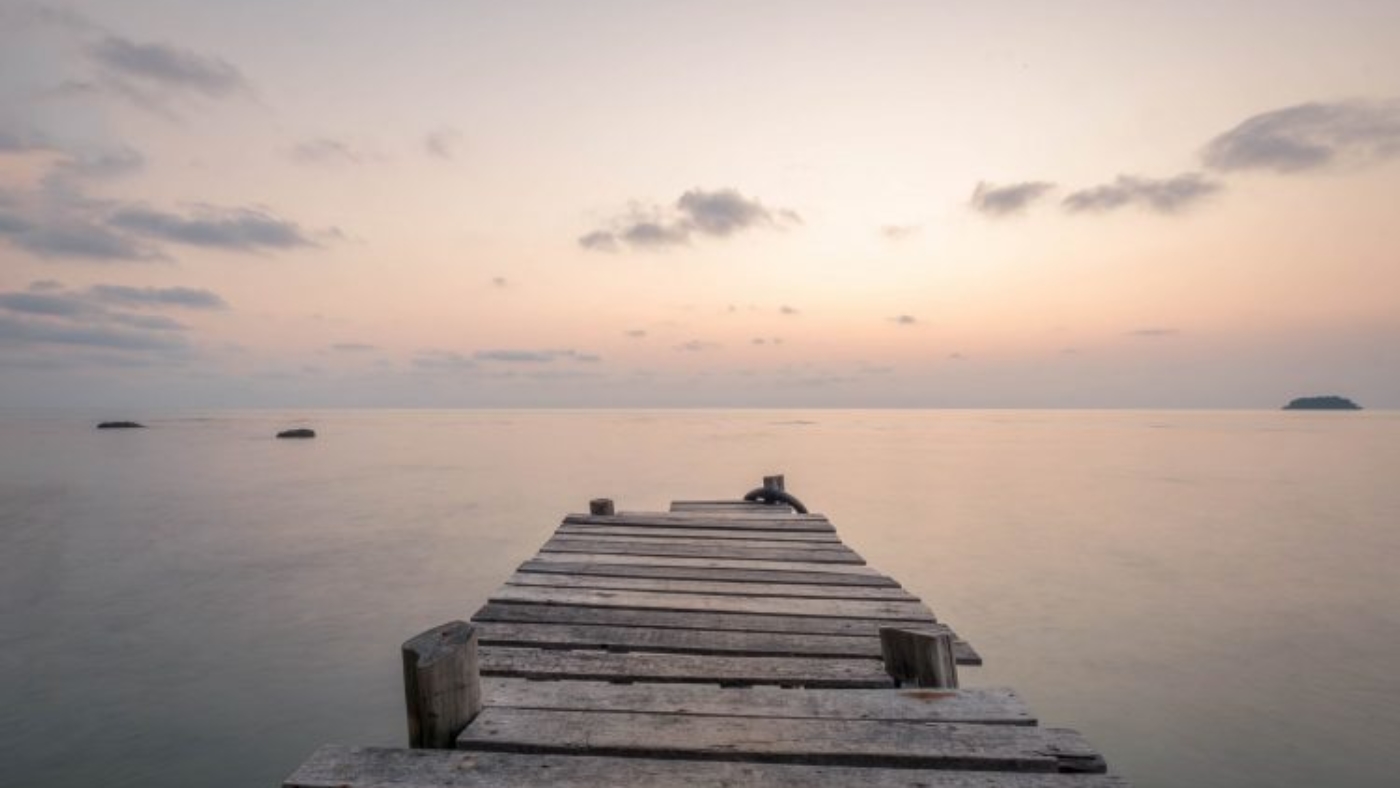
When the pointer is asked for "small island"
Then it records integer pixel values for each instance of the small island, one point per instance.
(1329, 402)
(120, 425)
(301, 432)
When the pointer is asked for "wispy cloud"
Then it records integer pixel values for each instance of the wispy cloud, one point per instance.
(167, 67)
(1164, 195)
(1309, 137)
(717, 214)
(635, 333)
(899, 232)
(443, 143)
(326, 150)
(352, 347)
(48, 314)
(1154, 333)
(904, 320)
(237, 229)
(534, 356)
(1009, 199)
(696, 346)
(787, 310)
(187, 297)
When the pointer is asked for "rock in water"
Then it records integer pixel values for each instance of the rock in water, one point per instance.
(1330, 402)
(120, 425)
(297, 433)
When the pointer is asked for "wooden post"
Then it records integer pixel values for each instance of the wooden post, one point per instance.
(774, 483)
(441, 684)
(919, 657)
(602, 506)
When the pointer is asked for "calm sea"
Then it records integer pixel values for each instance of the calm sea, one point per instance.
(1213, 598)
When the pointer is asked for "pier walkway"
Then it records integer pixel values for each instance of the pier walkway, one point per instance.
(717, 644)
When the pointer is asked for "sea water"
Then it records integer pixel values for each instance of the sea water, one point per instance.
(1212, 598)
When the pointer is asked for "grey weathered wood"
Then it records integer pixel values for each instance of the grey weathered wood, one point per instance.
(529, 663)
(601, 506)
(679, 641)
(548, 626)
(820, 608)
(690, 619)
(662, 548)
(666, 586)
(716, 522)
(652, 532)
(919, 657)
(703, 540)
(337, 766)
(807, 741)
(711, 563)
(442, 687)
(980, 706)
(747, 507)
(711, 574)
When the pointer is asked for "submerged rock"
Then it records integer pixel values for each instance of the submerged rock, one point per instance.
(301, 432)
(120, 425)
(1329, 402)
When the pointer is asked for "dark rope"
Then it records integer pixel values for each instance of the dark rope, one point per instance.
(771, 496)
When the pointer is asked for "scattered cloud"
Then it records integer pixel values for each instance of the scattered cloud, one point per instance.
(1007, 200)
(47, 314)
(716, 214)
(534, 356)
(499, 281)
(635, 333)
(1309, 137)
(166, 67)
(515, 356)
(957, 357)
(443, 143)
(237, 229)
(1152, 333)
(352, 347)
(899, 232)
(696, 346)
(599, 241)
(187, 297)
(904, 320)
(442, 361)
(325, 150)
(787, 310)
(72, 236)
(1165, 195)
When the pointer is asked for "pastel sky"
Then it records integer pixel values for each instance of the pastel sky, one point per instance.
(993, 204)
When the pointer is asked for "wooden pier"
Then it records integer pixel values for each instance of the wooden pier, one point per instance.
(721, 643)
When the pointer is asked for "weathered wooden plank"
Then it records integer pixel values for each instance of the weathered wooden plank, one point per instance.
(773, 740)
(661, 548)
(709, 563)
(710, 574)
(787, 606)
(337, 766)
(981, 706)
(653, 532)
(612, 637)
(699, 541)
(555, 664)
(692, 619)
(747, 507)
(796, 523)
(661, 586)
(678, 641)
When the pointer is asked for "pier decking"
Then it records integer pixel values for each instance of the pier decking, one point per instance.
(719, 643)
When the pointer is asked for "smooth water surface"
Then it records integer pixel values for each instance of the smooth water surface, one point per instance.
(1212, 598)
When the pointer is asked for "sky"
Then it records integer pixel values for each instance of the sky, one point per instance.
(337, 203)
